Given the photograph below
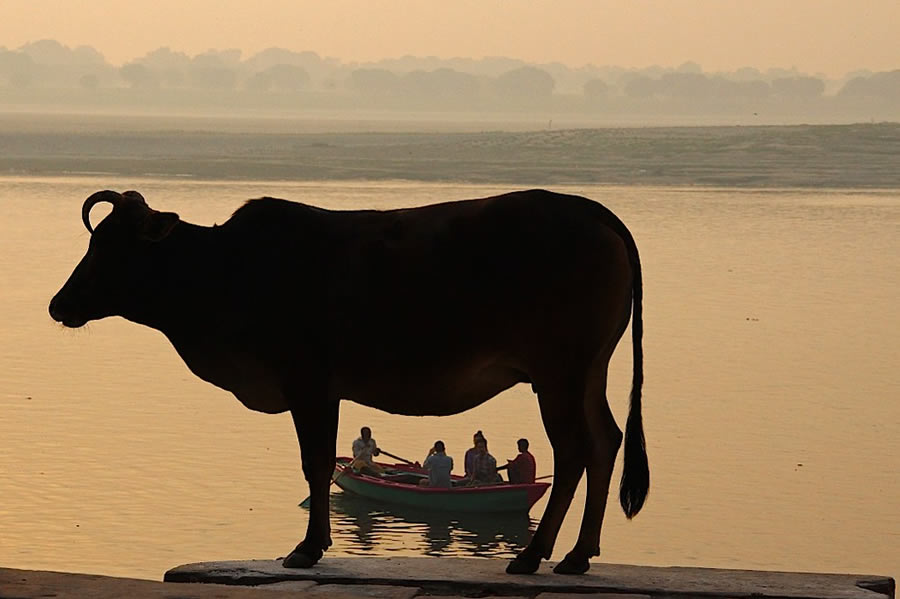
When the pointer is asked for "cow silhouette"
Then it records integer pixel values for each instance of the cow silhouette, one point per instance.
(422, 311)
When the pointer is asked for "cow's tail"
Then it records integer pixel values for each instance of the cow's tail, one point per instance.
(636, 472)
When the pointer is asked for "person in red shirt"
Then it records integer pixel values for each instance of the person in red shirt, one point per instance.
(521, 469)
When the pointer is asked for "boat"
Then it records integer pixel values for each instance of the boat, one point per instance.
(400, 485)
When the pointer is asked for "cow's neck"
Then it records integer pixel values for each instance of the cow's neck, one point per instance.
(185, 269)
(192, 309)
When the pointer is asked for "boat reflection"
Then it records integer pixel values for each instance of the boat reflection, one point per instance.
(363, 526)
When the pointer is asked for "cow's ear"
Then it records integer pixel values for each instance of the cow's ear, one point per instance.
(158, 225)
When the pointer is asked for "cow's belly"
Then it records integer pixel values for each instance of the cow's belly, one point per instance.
(261, 397)
(438, 395)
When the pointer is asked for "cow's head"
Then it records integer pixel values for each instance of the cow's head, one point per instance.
(115, 269)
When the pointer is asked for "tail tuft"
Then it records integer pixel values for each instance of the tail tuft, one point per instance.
(636, 473)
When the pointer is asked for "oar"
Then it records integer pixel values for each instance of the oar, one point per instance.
(396, 457)
(305, 502)
(543, 477)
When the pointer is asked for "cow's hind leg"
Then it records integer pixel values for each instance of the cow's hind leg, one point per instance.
(317, 432)
(603, 440)
(562, 415)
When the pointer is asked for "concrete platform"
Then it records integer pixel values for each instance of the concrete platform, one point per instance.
(483, 577)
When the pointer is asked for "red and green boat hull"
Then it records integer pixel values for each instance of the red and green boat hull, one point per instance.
(503, 497)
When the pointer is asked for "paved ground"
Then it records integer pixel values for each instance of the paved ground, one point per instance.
(440, 578)
(31, 584)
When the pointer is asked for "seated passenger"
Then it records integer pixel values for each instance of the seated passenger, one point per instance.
(439, 465)
(471, 453)
(484, 469)
(523, 467)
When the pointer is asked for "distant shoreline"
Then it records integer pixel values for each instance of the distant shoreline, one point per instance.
(861, 155)
(31, 118)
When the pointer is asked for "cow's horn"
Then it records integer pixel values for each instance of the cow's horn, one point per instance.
(112, 197)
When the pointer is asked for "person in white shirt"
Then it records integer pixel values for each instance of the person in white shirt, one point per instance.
(439, 465)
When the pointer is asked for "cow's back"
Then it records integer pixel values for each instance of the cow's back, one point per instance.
(503, 255)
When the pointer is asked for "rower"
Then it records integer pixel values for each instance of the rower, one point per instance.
(364, 449)
(522, 468)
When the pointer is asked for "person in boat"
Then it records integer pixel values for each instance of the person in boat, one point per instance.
(439, 465)
(364, 450)
(469, 464)
(484, 470)
(521, 470)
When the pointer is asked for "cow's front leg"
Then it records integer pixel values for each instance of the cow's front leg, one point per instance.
(317, 432)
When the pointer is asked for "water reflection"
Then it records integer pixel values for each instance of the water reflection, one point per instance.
(364, 526)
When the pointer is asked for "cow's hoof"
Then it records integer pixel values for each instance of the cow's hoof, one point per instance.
(523, 564)
(572, 565)
(302, 558)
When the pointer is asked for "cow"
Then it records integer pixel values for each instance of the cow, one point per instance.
(421, 311)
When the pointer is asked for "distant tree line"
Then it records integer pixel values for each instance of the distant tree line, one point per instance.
(412, 82)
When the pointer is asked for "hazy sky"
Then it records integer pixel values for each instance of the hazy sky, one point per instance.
(827, 36)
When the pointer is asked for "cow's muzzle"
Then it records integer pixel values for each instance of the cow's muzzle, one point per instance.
(61, 315)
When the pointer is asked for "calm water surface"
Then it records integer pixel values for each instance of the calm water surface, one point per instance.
(771, 399)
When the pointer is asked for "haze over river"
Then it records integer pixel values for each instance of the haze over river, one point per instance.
(772, 337)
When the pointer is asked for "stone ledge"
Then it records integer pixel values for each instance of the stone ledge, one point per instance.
(39, 584)
(480, 577)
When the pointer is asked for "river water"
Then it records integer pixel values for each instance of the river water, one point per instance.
(772, 338)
